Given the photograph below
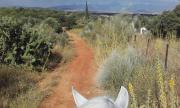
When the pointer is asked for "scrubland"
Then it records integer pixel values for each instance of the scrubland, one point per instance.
(127, 58)
(32, 44)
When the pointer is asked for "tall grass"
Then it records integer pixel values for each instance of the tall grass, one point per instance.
(30, 99)
(123, 60)
(107, 35)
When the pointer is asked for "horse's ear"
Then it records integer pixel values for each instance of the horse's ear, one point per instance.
(78, 98)
(122, 99)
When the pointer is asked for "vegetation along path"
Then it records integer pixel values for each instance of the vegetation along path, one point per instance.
(79, 73)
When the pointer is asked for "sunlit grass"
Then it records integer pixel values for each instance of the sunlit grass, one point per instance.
(111, 39)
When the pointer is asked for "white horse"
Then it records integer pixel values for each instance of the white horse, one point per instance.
(102, 102)
(143, 30)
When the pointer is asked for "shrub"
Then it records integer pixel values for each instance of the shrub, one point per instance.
(118, 69)
(22, 44)
(52, 22)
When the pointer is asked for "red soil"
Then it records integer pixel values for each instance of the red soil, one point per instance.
(80, 73)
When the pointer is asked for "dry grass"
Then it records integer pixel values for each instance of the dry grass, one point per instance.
(148, 79)
(18, 87)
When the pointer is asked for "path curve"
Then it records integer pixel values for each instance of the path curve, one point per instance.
(80, 73)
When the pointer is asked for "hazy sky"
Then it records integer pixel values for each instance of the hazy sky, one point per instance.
(50, 3)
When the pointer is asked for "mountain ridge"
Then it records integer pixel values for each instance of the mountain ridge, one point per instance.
(116, 8)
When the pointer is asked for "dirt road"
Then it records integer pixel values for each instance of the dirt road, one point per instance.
(79, 73)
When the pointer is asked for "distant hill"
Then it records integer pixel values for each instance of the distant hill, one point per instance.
(151, 8)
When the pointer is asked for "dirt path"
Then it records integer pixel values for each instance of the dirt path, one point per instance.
(80, 73)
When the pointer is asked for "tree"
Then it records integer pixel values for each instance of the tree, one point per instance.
(177, 10)
(167, 24)
(154, 25)
(87, 11)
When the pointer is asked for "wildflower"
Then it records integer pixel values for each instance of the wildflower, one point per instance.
(171, 83)
(160, 82)
(131, 91)
(172, 92)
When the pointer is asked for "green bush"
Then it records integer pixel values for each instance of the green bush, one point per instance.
(22, 44)
(52, 22)
(118, 69)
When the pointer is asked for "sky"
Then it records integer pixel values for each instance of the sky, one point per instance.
(110, 3)
(50, 3)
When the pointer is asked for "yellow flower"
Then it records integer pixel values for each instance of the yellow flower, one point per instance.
(160, 81)
(131, 91)
(171, 83)
(172, 92)
(130, 86)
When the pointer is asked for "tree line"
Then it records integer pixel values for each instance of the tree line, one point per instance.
(165, 25)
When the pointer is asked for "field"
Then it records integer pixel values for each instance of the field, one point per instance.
(136, 61)
(43, 53)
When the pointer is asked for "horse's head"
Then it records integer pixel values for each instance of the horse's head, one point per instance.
(102, 102)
